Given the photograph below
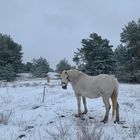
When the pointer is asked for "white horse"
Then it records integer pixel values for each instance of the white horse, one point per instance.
(84, 86)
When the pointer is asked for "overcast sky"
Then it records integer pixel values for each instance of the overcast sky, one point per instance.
(53, 29)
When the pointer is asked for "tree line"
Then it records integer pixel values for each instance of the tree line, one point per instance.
(96, 56)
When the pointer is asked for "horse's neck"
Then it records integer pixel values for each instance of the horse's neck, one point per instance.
(76, 79)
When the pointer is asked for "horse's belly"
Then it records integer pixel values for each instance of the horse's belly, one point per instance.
(91, 94)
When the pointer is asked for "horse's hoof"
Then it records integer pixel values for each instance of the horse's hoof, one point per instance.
(83, 113)
(117, 121)
(78, 115)
(103, 121)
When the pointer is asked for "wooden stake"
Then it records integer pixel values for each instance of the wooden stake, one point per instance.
(44, 94)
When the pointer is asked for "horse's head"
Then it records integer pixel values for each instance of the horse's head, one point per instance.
(64, 79)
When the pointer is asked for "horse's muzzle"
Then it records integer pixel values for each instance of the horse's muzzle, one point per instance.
(64, 85)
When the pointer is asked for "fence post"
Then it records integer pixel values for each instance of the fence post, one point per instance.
(44, 91)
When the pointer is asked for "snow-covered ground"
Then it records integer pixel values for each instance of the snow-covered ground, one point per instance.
(24, 116)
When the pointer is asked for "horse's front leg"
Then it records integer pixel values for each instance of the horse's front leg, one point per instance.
(78, 97)
(85, 106)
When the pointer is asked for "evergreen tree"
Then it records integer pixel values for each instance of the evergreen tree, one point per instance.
(130, 37)
(63, 65)
(28, 67)
(40, 67)
(122, 58)
(7, 72)
(96, 56)
(10, 57)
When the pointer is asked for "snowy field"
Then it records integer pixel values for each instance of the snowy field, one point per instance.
(24, 116)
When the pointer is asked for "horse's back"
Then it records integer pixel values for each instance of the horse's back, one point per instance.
(106, 83)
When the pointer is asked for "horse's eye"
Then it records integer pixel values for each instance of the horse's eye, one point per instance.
(65, 72)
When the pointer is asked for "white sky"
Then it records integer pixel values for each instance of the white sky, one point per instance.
(53, 29)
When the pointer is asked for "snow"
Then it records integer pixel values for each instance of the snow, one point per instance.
(53, 75)
(30, 119)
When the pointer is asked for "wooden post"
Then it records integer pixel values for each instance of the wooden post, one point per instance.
(44, 94)
(48, 79)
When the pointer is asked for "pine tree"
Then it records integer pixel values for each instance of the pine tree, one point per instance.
(122, 58)
(96, 56)
(40, 67)
(7, 72)
(130, 37)
(63, 65)
(10, 57)
(27, 67)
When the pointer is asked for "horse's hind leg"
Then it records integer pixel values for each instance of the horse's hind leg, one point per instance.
(117, 113)
(107, 106)
(85, 106)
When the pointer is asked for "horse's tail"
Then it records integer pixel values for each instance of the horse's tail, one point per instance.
(114, 99)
